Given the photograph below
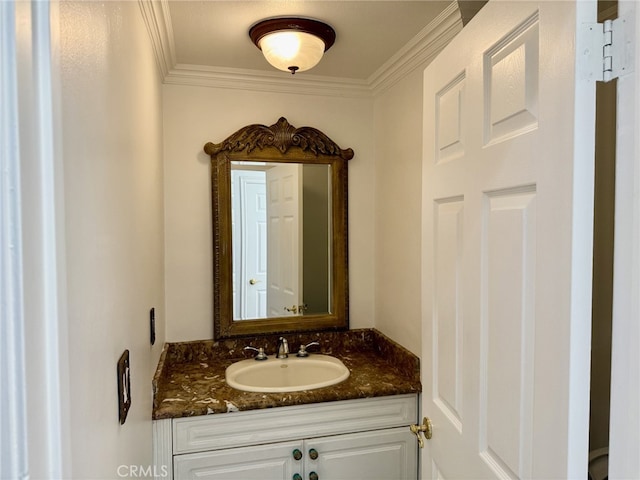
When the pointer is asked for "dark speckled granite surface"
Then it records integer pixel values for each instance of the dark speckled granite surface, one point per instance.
(190, 380)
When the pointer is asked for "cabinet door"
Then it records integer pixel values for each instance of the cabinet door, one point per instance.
(268, 462)
(389, 454)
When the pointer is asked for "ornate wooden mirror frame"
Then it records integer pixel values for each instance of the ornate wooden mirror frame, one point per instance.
(282, 143)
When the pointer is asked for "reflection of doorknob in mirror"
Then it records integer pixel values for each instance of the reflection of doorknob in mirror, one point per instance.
(426, 428)
(253, 281)
(293, 309)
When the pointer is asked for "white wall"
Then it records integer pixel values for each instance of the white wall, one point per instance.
(112, 149)
(195, 115)
(398, 134)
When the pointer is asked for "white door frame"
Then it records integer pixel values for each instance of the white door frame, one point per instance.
(624, 434)
(13, 421)
(34, 361)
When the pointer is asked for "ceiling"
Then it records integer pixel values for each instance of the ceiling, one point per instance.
(369, 33)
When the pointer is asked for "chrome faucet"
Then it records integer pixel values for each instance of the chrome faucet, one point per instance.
(282, 350)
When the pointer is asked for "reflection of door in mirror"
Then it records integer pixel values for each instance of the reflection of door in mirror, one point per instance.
(248, 217)
(284, 244)
(281, 239)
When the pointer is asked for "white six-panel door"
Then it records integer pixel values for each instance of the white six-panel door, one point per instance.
(284, 246)
(249, 227)
(507, 242)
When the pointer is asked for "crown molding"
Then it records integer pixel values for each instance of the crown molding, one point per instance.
(420, 50)
(157, 18)
(258, 80)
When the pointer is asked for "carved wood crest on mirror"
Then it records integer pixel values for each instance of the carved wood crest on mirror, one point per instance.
(279, 197)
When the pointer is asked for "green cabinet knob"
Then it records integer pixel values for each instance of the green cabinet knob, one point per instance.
(297, 476)
(313, 476)
(313, 454)
(297, 454)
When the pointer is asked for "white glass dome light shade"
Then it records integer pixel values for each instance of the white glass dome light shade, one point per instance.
(292, 51)
(292, 44)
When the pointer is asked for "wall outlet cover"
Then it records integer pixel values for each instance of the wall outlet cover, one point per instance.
(124, 386)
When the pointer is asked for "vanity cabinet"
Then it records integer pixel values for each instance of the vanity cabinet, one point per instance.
(363, 438)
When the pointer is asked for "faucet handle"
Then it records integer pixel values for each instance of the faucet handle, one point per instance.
(260, 355)
(302, 352)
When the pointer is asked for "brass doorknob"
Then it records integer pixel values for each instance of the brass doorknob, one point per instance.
(313, 454)
(293, 309)
(426, 429)
(253, 281)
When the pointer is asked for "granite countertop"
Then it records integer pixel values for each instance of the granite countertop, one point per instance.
(190, 380)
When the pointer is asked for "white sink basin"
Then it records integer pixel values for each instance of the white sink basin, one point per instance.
(287, 374)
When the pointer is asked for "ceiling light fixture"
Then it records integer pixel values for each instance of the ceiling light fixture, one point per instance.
(292, 44)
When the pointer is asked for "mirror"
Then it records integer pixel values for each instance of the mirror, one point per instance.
(279, 197)
(281, 239)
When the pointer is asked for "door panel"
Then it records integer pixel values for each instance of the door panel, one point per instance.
(507, 329)
(507, 229)
(447, 331)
